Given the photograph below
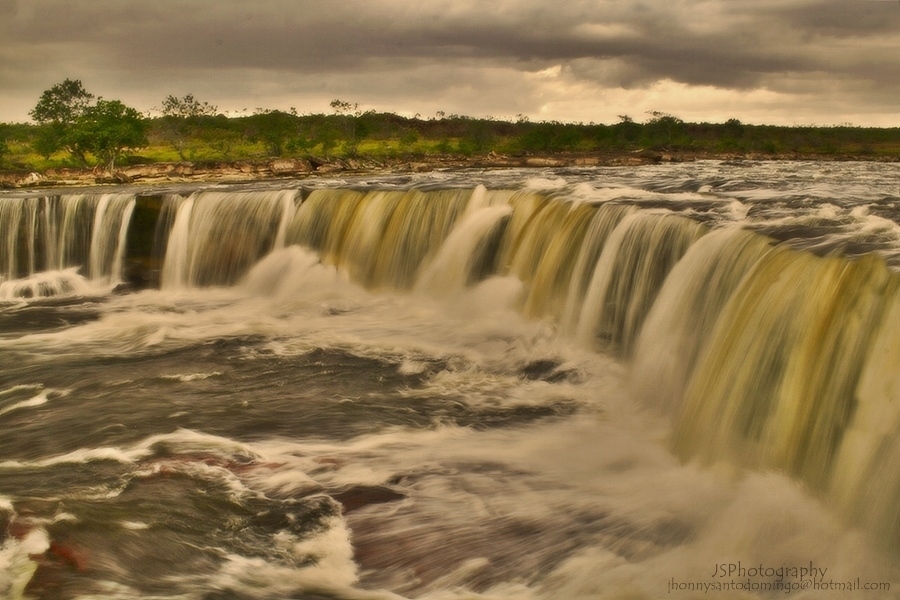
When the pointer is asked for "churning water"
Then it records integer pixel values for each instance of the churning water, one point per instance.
(672, 381)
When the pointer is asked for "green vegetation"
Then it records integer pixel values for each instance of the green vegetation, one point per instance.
(73, 129)
(69, 120)
(182, 120)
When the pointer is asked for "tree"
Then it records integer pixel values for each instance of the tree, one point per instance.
(550, 136)
(71, 121)
(733, 128)
(181, 119)
(221, 134)
(58, 111)
(275, 129)
(4, 149)
(109, 129)
(663, 129)
(187, 107)
(65, 103)
(352, 126)
(626, 130)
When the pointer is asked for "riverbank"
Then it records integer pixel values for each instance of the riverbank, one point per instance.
(237, 171)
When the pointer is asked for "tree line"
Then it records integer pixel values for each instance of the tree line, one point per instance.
(72, 127)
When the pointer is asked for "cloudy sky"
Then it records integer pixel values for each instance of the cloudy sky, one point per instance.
(761, 61)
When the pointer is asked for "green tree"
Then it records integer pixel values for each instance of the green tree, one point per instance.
(478, 137)
(663, 130)
(626, 131)
(733, 128)
(275, 129)
(58, 112)
(109, 129)
(183, 119)
(351, 124)
(187, 107)
(4, 148)
(550, 137)
(71, 121)
(65, 102)
(409, 139)
(221, 134)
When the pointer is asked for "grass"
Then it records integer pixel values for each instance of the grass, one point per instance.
(385, 135)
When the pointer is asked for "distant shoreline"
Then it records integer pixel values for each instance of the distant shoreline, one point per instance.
(299, 168)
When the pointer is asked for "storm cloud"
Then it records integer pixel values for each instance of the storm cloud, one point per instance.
(774, 61)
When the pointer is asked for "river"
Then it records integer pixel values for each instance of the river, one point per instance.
(669, 381)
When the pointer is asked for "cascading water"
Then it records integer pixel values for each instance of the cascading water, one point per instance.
(763, 357)
(217, 236)
(756, 351)
(46, 240)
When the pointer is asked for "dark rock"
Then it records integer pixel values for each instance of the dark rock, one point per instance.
(137, 276)
(547, 370)
(113, 178)
(649, 155)
(316, 162)
(363, 495)
(289, 166)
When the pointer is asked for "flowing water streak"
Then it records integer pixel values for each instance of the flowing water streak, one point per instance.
(557, 262)
(775, 385)
(174, 271)
(111, 219)
(765, 357)
(217, 236)
(54, 233)
(686, 311)
(463, 257)
(76, 230)
(10, 217)
(417, 228)
(379, 238)
(605, 221)
(632, 268)
(867, 468)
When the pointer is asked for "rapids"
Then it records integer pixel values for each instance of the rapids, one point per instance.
(666, 381)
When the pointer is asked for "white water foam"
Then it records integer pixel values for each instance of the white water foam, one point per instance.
(38, 400)
(16, 563)
(50, 283)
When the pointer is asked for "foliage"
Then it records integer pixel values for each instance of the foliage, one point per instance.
(350, 123)
(182, 120)
(626, 131)
(275, 129)
(664, 131)
(549, 137)
(4, 147)
(71, 121)
(72, 127)
(63, 103)
(59, 110)
(108, 129)
(187, 107)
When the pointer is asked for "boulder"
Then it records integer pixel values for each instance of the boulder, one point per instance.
(539, 161)
(289, 166)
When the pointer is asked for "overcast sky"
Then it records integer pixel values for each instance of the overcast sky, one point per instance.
(761, 61)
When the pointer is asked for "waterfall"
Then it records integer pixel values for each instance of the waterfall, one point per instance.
(111, 218)
(631, 269)
(67, 233)
(379, 238)
(174, 272)
(763, 356)
(686, 310)
(462, 258)
(775, 385)
(217, 236)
